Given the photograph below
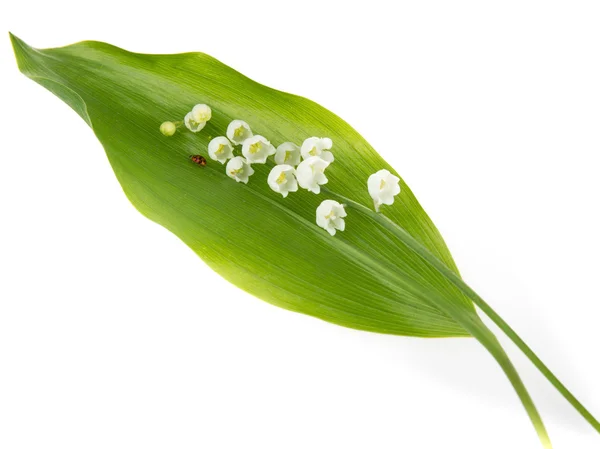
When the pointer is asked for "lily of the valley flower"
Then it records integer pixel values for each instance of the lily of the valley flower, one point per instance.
(192, 124)
(196, 119)
(168, 128)
(239, 169)
(383, 186)
(238, 131)
(317, 146)
(257, 149)
(330, 216)
(310, 174)
(288, 153)
(282, 179)
(201, 113)
(220, 149)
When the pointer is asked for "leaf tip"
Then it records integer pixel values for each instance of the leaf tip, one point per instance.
(21, 50)
(17, 43)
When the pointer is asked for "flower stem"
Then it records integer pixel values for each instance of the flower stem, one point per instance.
(501, 357)
(503, 325)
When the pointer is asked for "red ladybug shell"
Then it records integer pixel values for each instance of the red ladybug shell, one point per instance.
(197, 159)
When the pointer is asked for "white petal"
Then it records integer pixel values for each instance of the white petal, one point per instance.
(327, 156)
(292, 185)
(373, 185)
(386, 198)
(321, 221)
(310, 147)
(249, 172)
(339, 224)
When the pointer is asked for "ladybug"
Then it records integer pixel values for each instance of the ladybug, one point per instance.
(197, 159)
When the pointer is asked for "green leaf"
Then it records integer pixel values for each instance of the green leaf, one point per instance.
(388, 273)
(263, 243)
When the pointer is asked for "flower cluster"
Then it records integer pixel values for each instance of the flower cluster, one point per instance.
(296, 165)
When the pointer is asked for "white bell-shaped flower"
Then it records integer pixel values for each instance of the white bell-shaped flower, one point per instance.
(220, 149)
(330, 216)
(317, 146)
(310, 173)
(288, 153)
(238, 131)
(282, 179)
(201, 113)
(239, 169)
(191, 124)
(383, 187)
(257, 149)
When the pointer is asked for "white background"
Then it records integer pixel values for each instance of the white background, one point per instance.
(114, 334)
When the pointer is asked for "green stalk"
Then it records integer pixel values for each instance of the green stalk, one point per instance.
(478, 330)
(490, 342)
(426, 255)
(485, 307)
